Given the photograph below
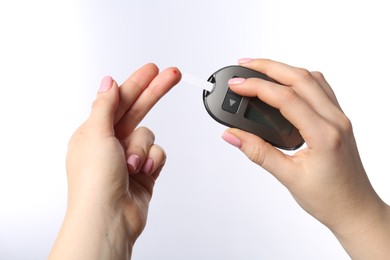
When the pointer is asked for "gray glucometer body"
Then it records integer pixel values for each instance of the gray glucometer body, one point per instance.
(248, 113)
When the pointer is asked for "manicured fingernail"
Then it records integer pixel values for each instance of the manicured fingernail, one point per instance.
(133, 161)
(232, 139)
(148, 166)
(244, 60)
(235, 81)
(106, 84)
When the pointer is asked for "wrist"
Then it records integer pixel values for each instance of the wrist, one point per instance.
(93, 231)
(367, 236)
(108, 218)
(358, 212)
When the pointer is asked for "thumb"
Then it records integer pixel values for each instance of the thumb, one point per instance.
(105, 105)
(260, 152)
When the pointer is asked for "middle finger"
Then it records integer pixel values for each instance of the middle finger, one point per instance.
(149, 96)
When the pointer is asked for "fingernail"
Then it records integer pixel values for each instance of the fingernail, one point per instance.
(232, 139)
(235, 81)
(133, 161)
(244, 60)
(106, 84)
(148, 166)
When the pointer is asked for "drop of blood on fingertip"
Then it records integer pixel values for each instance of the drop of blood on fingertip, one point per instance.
(175, 72)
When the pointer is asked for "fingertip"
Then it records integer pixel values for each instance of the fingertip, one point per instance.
(114, 83)
(151, 66)
(106, 84)
(148, 166)
(244, 61)
(244, 87)
(143, 76)
(176, 73)
(133, 162)
(232, 139)
(168, 78)
(235, 81)
(106, 102)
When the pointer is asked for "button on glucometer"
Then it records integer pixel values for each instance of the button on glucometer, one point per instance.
(231, 102)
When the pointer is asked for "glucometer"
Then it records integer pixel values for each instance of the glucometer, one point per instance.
(248, 113)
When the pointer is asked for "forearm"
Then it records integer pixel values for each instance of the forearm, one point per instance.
(92, 235)
(370, 240)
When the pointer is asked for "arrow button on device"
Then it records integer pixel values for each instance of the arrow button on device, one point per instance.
(231, 102)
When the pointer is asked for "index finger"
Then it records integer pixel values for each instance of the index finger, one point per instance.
(149, 96)
(309, 86)
(132, 88)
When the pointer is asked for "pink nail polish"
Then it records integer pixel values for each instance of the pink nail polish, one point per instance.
(148, 166)
(235, 81)
(105, 84)
(244, 60)
(232, 139)
(133, 161)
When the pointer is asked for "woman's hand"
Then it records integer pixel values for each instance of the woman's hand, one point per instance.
(112, 166)
(326, 177)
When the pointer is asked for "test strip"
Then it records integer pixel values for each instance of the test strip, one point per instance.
(192, 80)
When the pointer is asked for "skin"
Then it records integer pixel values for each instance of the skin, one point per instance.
(112, 167)
(326, 177)
(112, 164)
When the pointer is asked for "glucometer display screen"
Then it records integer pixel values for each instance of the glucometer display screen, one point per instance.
(252, 115)
(261, 113)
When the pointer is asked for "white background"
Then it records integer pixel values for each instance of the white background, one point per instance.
(210, 202)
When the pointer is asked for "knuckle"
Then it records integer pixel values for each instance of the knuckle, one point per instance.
(146, 132)
(303, 75)
(338, 133)
(161, 152)
(289, 95)
(255, 155)
(139, 149)
(345, 125)
(266, 61)
(318, 75)
(98, 103)
(334, 137)
(141, 142)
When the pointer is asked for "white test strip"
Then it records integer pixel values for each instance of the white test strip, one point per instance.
(192, 80)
